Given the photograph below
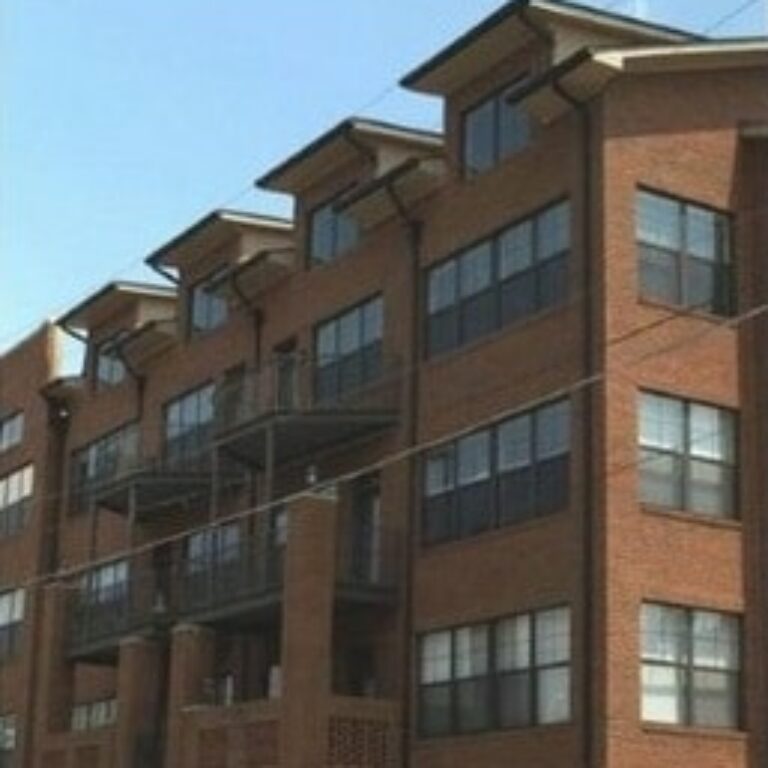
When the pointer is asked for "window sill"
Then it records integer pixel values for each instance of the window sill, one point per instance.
(687, 312)
(484, 537)
(446, 358)
(694, 732)
(683, 516)
(469, 177)
(449, 740)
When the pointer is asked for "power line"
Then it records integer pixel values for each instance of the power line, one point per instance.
(406, 453)
(730, 16)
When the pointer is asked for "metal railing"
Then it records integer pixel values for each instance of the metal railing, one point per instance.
(225, 576)
(101, 614)
(368, 558)
(222, 570)
(363, 382)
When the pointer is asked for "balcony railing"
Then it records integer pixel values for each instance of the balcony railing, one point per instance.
(218, 574)
(298, 384)
(101, 614)
(368, 560)
(235, 575)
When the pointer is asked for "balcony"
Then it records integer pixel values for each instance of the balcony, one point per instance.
(131, 483)
(237, 582)
(297, 407)
(103, 608)
(229, 575)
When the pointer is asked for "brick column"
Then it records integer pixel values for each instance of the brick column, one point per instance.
(192, 663)
(307, 636)
(139, 677)
(56, 674)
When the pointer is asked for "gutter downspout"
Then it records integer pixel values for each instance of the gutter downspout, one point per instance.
(256, 314)
(588, 499)
(414, 230)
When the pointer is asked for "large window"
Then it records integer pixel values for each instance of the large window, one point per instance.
(691, 667)
(213, 547)
(7, 739)
(109, 365)
(331, 233)
(188, 423)
(687, 456)
(348, 350)
(94, 714)
(102, 460)
(15, 495)
(516, 273)
(105, 585)
(208, 310)
(11, 430)
(494, 129)
(511, 673)
(684, 253)
(503, 475)
(11, 619)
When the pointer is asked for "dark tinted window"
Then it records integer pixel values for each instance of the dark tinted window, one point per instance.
(518, 272)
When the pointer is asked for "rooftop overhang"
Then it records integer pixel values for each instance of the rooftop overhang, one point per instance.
(254, 273)
(212, 233)
(148, 341)
(401, 188)
(114, 299)
(383, 144)
(567, 27)
(585, 74)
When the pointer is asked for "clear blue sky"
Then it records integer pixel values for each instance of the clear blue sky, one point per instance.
(123, 121)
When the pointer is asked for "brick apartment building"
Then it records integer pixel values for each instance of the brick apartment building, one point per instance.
(462, 466)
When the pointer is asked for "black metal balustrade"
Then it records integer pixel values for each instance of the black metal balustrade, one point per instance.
(103, 610)
(240, 576)
(306, 404)
(368, 563)
(226, 573)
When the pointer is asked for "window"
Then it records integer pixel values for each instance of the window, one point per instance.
(512, 472)
(105, 585)
(11, 618)
(684, 252)
(331, 233)
(687, 456)
(691, 667)
(11, 431)
(94, 714)
(110, 368)
(188, 421)
(15, 496)
(511, 673)
(213, 547)
(494, 129)
(208, 310)
(7, 739)
(514, 274)
(348, 350)
(101, 461)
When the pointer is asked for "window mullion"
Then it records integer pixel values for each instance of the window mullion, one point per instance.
(689, 676)
(683, 265)
(533, 682)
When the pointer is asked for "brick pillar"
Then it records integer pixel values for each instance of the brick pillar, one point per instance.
(307, 641)
(56, 675)
(139, 677)
(192, 663)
